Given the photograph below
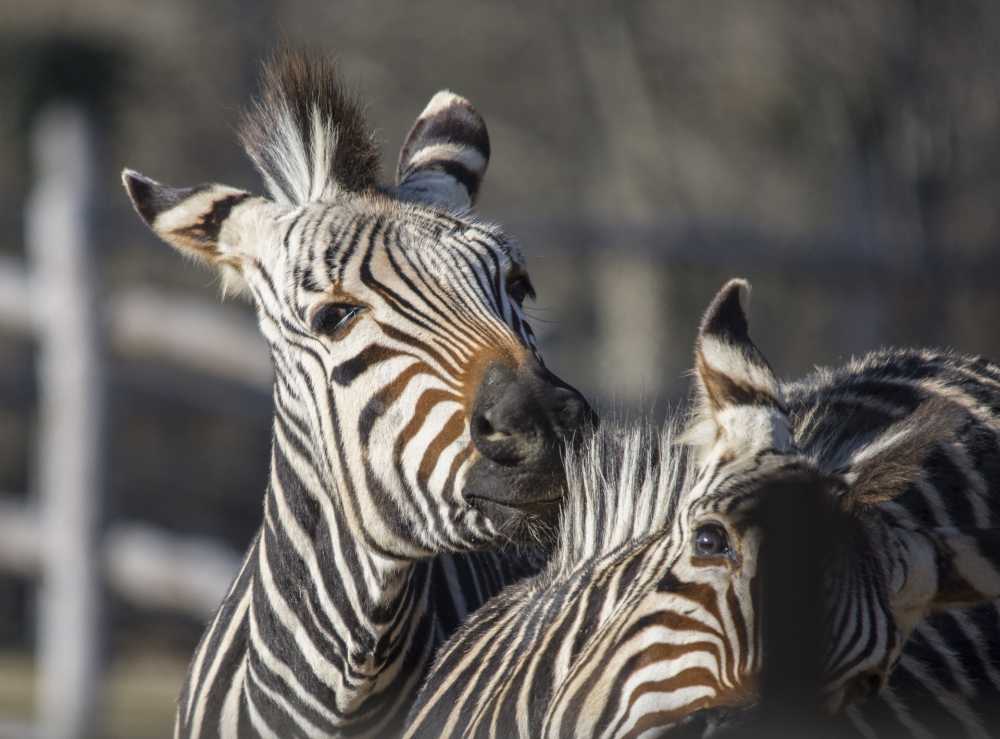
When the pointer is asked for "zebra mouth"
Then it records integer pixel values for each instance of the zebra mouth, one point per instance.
(543, 506)
(521, 522)
(520, 502)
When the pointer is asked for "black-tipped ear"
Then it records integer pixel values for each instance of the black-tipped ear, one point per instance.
(739, 400)
(730, 369)
(149, 197)
(445, 155)
(726, 317)
(207, 222)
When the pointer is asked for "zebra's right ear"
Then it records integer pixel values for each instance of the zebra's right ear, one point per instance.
(445, 155)
(214, 224)
(738, 399)
(895, 457)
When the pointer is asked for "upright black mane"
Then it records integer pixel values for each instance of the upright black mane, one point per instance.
(306, 134)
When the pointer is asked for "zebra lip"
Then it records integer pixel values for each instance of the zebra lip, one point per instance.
(543, 506)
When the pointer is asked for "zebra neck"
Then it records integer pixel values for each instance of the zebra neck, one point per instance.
(322, 633)
(317, 636)
(355, 603)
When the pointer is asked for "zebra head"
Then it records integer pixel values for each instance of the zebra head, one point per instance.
(408, 385)
(696, 647)
(761, 508)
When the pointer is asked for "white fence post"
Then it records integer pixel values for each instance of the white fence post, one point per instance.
(71, 387)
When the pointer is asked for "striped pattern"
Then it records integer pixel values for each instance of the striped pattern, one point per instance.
(445, 154)
(638, 624)
(946, 680)
(385, 319)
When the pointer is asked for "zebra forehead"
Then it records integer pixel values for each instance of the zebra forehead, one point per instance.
(462, 229)
(332, 255)
(475, 237)
(740, 482)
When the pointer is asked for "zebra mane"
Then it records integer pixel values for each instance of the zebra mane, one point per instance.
(623, 483)
(306, 134)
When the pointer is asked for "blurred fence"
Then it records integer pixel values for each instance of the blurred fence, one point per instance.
(59, 536)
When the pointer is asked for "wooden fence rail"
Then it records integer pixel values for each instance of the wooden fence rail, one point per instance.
(192, 332)
(142, 564)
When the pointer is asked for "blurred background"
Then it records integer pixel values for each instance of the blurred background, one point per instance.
(845, 158)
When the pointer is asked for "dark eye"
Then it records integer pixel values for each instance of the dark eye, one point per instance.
(332, 317)
(710, 540)
(519, 288)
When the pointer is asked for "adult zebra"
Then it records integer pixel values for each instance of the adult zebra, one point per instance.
(413, 415)
(649, 614)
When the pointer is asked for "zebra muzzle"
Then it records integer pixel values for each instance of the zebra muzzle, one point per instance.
(521, 419)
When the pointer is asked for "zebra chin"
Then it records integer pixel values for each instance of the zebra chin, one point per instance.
(522, 504)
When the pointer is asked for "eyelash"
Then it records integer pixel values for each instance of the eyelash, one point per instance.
(331, 318)
(520, 288)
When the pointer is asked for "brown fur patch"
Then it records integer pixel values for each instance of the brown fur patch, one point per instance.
(203, 235)
(472, 373)
(722, 390)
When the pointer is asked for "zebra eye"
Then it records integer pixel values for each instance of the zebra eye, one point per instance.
(710, 540)
(332, 317)
(520, 288)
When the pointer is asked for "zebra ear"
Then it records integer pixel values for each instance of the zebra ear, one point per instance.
(208, 222)
(731, 374)
(445, 155)
(883, 468)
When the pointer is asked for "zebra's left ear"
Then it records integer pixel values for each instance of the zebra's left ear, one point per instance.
(445, 155)
(738, 398)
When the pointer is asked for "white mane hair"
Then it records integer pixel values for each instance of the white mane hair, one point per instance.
(306, 134)
(623, 483)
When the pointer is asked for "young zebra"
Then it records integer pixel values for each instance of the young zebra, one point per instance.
(649, 613)
(413, 415)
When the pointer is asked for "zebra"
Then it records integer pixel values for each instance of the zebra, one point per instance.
(646, 617)
(416, 433)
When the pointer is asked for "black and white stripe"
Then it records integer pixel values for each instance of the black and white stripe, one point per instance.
(402, 361)
(643, 620)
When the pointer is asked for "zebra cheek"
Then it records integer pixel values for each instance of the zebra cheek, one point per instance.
(748, 555)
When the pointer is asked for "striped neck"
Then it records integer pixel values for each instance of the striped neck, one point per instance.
(344, 618)
(313, 499)
(319, 635)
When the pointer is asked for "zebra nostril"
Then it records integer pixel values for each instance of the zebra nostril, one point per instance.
(870, 685)
(509, 429)
(571, 410)
(486, 428)
(863, 687)
(523, 416)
